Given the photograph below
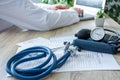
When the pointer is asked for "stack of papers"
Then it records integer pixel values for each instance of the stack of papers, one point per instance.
(38, 42)
(84, 60)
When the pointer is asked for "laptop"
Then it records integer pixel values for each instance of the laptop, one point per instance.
(90, 7)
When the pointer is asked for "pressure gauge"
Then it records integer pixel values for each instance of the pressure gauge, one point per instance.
(97, 34)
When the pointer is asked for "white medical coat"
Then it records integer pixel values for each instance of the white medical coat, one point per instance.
(33, 16)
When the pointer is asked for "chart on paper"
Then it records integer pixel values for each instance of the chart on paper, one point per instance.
(88, 60)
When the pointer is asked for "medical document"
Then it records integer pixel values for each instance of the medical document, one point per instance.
(83, 60)
(88, 60)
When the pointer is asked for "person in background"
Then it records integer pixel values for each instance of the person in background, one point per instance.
(38, 16)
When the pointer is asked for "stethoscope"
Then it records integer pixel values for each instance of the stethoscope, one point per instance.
(41, 70)
(38, 71)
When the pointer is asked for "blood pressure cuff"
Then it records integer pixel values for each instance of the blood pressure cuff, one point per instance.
(95, 46)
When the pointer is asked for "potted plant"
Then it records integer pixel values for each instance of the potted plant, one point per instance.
(99, 18)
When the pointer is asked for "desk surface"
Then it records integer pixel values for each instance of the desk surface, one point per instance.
(10, 37)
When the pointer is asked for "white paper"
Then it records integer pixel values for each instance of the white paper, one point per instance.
(31, 41)
(62, 39)
(84, 60)
(88, 60)
(39, 42)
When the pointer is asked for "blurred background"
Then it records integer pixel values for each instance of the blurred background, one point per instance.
(112, 9)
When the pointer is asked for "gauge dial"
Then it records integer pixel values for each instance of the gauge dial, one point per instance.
(97, 34)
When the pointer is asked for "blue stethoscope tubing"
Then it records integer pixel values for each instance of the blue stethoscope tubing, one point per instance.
(36, 72)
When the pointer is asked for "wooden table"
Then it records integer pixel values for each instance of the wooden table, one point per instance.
(10, 37)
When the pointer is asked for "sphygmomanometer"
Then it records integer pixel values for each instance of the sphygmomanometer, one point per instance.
(97, 40)
(98, 34)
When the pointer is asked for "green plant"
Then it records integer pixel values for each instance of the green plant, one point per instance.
(113, 9)
(68, 2)
(100, 13)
